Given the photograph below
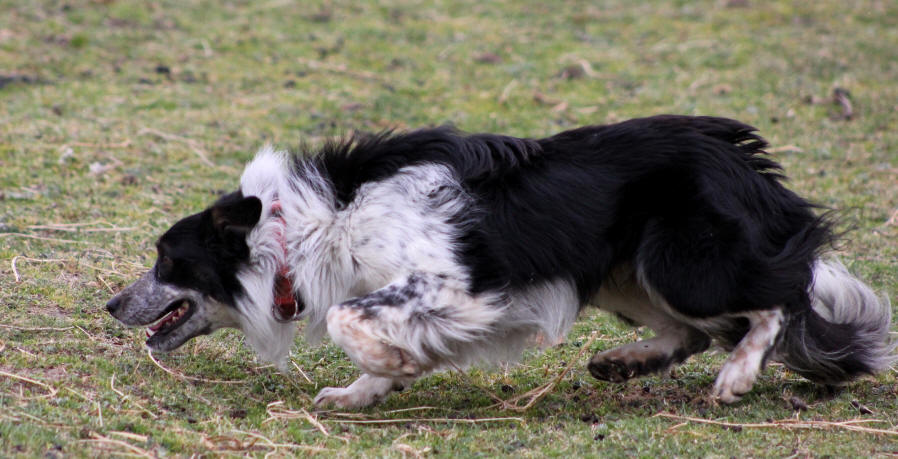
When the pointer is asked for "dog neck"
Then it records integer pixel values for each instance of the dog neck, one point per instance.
(286, 307)
(309, 235)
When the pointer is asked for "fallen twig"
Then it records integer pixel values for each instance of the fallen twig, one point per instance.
(315, 422)
(408, 449)
(225, 443)
(893, 220)
(303, 373)
(122, 144)
(15, 270)
(786, 424)
(342, 69)
(785, 149)
(587, 68)
(41, 238)
(172, 137)
(40, 421)
(539, 393)
(276, 410)
(51, 390)
(414, 408)
(97, 438)
(108, 287)
(189, 378)
(18, 277)
(69, 226)
(78, 229)
(506, 91)
(445, 420)
(128, 398)
(130, 436)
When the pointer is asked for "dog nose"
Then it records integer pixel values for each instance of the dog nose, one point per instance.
(114, 304)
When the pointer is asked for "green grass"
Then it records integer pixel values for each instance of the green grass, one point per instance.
(169, 99)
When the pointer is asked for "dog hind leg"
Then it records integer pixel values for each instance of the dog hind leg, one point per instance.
(670, 346)
(748, 358)
(673, 342)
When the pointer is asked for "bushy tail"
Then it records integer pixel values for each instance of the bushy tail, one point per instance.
(844, 335)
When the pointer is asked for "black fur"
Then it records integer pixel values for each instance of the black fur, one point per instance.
(205, 251)
(811, 336)
(390, 296)
(620, 370)
(689, 200)
(691, 203)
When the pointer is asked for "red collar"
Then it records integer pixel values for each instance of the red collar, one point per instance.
(286, 306)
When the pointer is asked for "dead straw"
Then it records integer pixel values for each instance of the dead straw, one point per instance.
(101, 440)
(51, 391)
(31, 329)
(189, 378)
(788, 424)
(539, 393)
(41, 238)
(189, 142)
(126, 397)
(437, 420)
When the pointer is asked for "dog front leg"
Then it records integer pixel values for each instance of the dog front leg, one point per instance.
(366, 390)
(360, 326)
(406, 329)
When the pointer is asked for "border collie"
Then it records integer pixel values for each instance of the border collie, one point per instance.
(434, 249)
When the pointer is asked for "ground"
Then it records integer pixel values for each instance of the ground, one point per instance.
(119, 117)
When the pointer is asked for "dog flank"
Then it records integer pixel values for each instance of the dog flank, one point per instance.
(433, 249)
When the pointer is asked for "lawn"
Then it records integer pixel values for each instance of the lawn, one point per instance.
(119, 117)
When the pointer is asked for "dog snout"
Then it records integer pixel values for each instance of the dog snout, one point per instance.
(114, 304)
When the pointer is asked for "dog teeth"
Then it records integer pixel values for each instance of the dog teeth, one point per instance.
(174, 316)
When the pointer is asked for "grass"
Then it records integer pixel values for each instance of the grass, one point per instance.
(119, 117)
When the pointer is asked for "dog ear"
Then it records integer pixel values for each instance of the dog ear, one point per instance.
(236, 217)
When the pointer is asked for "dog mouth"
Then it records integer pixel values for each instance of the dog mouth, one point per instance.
(176, 314)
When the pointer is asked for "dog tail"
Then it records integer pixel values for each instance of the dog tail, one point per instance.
(845, 332)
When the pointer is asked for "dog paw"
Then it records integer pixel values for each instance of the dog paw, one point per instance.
(340, 397)
(611, 370)
(732, 384)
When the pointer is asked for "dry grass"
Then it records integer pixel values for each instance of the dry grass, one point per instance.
(119, 117)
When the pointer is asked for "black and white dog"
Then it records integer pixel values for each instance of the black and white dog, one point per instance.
(433, 249)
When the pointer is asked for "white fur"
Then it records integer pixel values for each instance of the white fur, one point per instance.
(394, 227)
(542, 314)
(264, 178)
(839, 297)
(746, 361)
(317, 248)
(364, 391)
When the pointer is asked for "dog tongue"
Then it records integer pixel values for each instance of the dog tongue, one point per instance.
(170, 317)
(162, 322)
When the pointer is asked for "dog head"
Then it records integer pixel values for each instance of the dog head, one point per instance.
(191, 289)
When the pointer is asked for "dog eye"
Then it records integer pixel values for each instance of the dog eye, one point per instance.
(164, 267)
